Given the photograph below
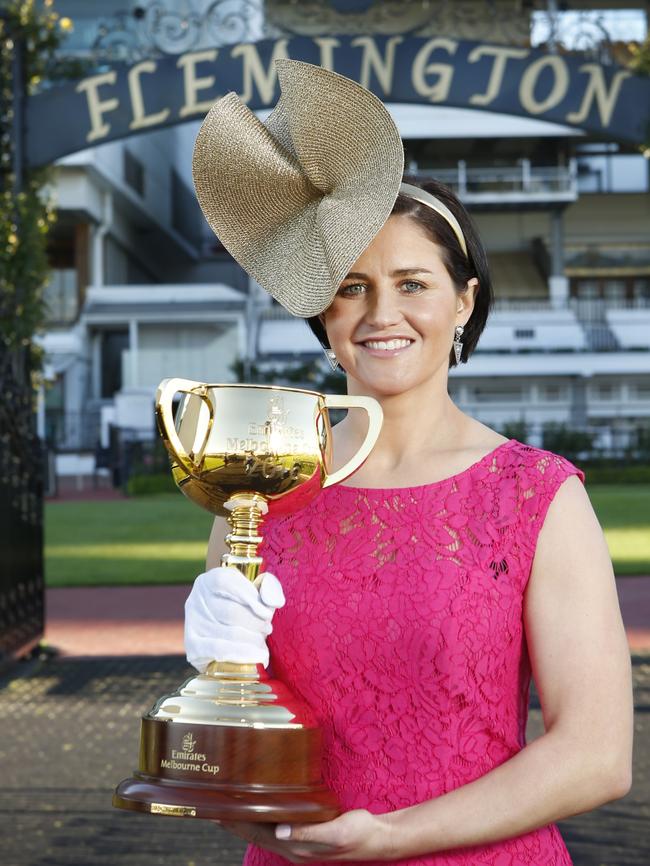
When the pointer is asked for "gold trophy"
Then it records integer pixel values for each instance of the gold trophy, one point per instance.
(232, 743)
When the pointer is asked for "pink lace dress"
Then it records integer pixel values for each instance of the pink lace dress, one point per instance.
(403, 631)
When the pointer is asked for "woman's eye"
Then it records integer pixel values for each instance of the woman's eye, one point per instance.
(412, 286)
(352, 289)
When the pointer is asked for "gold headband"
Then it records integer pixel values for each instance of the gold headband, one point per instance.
(435, 204)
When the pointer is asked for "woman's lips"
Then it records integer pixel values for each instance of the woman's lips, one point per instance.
(386, 348)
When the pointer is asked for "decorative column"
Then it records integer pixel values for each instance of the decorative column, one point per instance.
(558, 284)
(133, 351)
(578, 414)
(99, 239)
(96, 365)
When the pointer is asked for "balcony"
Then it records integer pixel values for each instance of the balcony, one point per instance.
(518, 186)
(72, 431)
(537, 327)
(597, 324)
(515, 325)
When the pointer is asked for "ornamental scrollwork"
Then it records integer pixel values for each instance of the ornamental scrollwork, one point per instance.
(162, 27)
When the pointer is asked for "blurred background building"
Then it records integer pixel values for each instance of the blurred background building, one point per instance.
(142, 290)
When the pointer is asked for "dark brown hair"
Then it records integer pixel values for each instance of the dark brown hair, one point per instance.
(459, 267)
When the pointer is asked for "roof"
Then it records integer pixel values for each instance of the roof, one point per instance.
(169, 310)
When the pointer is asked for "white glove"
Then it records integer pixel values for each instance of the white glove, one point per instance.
(227, 618)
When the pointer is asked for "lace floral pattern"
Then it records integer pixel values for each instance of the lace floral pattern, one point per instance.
(406, 607)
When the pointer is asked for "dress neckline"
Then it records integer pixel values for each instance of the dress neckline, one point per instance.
(385, 490)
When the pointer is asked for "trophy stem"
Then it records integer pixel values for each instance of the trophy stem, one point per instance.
(247, 512)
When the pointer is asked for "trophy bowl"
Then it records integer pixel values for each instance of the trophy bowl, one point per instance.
(233, 743)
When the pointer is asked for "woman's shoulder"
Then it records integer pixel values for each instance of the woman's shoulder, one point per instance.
(523, 459)
(541, 464)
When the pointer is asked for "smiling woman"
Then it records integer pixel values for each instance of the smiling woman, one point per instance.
(425, 591)
(461, 258)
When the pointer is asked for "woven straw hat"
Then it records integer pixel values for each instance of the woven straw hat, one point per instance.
(297, 199)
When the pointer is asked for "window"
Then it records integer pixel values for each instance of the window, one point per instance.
(133, 172)
(641, 390)
(606, 391)
(186, 214)
(54, 409)
(622, 291)
(61, 296)
(641, 289)
(551, 393)
(499, 393)
(113, 344)
(614, 290)
(587, 289)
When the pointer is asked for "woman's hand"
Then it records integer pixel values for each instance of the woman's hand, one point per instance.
(355, 835)
(228, 618)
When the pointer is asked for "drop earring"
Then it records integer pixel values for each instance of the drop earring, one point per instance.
(458, 346)
(331, 359)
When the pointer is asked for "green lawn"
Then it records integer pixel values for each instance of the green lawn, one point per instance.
(624, 514)
(152, 539)
(162, 539)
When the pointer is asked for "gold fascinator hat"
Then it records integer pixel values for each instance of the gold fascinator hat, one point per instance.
(297, 199)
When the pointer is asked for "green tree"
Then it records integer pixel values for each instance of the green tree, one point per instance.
(566, 441)
(640, 62)
(26, 212)
(308, 374)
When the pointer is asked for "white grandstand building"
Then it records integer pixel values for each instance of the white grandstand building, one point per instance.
(141, 290)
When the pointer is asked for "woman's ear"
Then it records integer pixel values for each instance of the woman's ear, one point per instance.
(467, 299)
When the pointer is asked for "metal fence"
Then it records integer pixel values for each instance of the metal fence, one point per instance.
(72, 431)
(21, 512)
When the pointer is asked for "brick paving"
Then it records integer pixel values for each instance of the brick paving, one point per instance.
(69, 733)
(148, 620)
(116, 621)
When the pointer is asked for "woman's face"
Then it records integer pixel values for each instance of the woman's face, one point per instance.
(398, 289)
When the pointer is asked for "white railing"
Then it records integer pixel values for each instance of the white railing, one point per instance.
(516, 183)
(517, 305)
(522, 305)
(581, 305)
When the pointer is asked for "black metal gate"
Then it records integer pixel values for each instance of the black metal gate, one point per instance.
(21, 512)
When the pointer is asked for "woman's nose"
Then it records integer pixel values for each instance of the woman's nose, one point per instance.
(383, 308)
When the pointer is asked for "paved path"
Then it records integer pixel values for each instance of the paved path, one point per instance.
(116, 621)
(634, 598)
(69, 731)
(123, 621)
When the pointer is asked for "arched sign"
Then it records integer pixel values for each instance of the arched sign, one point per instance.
(569, 89)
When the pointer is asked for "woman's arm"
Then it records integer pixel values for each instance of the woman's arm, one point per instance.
(581, 665)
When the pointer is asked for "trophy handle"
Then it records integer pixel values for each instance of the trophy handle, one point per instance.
(165, 415)
(375, 418)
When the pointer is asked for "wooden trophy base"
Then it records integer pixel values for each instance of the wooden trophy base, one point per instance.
(234, 747)
(243, 803)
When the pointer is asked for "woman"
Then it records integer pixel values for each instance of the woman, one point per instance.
(424, 590)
